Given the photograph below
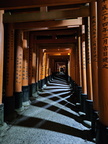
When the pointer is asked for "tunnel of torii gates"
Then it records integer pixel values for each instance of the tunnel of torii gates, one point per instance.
(28, 58)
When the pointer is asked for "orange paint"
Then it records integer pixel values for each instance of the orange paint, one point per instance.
(79, 55)
(10, 62)
(19, 62)
(30, 59)
(25, 63)
(72, 63)
(88, 59)
(1, 53)
(83, 59)
(77, 74)
(34, 65)
(94, 53)
(103, 61)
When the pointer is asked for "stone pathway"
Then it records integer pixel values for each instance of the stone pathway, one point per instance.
(50, 119)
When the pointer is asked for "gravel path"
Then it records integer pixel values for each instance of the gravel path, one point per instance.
(50, 119)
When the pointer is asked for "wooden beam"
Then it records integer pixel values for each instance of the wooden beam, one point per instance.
(61, 52)
(60, 57)
(68, 40)
(46, 24)
(57, 46)
(58, 50)
(18, 4)
(55, 32)
(38, 16)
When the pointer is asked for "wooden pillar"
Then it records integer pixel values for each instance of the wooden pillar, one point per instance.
(9, 88)
(44, 63)
(10, 61)
(25, 62)
(18, 72)
(102, 129)
(40, 68)
(83, 60)
(69, 67)
(94, 53)
(72, 62)
(94, 61)
(40, 63)
(32, 65)
(34, 69)
(1, 66)
(77, 70)
(30, 59)
(88, 59)
(103, 60)
(46, 67)
(37, 68)
(37, 64)
(25, 86)
(79, 55)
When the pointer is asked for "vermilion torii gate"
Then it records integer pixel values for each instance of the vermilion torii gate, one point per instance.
(18, 64)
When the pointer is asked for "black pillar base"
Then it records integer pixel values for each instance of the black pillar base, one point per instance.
(9, 108)
(94, 119)
(83, 102)
(18, 99)
(79, 92)
(39, 84)
(101, 133)
(36, 86)
(1, 114)
(42, 83)
(26, 93)
(89, 109)
(33, 88)
(45, 80)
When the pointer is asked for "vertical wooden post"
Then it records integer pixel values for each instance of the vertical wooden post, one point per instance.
(9, 88)
(37, 64)
(89, 100)
(83, 68)
(32, 65)
(102, 132)
(1, 66)
(72, 63)
(25, 62)
(25, 86)
(77, 74)
(94, 53)
(103, 60)
(94, 61)
(30, 59)
(44, 63)
(34, 69)
(46, 67)
(69, 67)
(79, 55)
(37, 68)
(18, 72)
(88, 59)
(10, 61)
(83, 59)
(40, 67)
